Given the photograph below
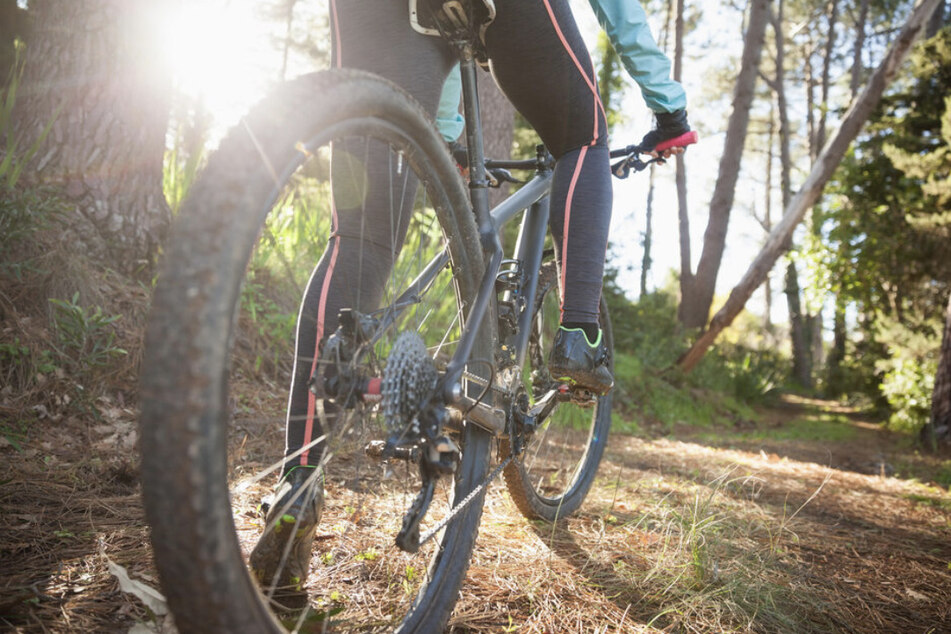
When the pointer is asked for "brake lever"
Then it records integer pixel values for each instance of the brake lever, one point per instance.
(497, 176)
(622, 169)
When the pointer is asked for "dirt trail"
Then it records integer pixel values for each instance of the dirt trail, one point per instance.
(813, 519)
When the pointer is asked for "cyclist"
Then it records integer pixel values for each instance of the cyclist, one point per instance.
(539, 60)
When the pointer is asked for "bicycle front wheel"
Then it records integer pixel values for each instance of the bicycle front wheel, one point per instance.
(340, 168)
(551, 477)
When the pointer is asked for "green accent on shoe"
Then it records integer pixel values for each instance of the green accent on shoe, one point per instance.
(290, 519)
(293, 469)
(596, 343)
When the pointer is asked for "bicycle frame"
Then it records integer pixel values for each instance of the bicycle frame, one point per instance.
(531, 198)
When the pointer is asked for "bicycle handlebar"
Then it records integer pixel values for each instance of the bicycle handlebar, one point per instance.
(621, 169)
(688, 138)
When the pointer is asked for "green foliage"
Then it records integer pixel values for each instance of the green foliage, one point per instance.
(909, 369)
(85, 338)
(882, 236)
(648, 342)
(14, 157)
(612, 79)
(23, 214)
(184, 158)
(280, 267)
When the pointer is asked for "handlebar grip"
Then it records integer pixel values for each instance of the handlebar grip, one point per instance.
(685, 139)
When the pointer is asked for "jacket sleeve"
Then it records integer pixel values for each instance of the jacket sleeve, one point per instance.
(625, 23)
(448, 119)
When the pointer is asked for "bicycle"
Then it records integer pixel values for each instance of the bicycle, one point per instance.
(425, 374)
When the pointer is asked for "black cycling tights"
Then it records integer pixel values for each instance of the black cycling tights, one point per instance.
(540, 62)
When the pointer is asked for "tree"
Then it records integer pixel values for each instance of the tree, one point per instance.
(812, 188)
(687, 279)
(802, 370)
(91, 68)
(698, 288)
(940, 424)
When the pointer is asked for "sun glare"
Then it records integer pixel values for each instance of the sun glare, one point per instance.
(217, 51)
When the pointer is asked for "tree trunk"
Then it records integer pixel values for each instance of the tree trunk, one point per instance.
(855, 81)
(834, 379)
(683, 216)
(822, 170)
(768, 214)
(646, 261)
(807, 332)
(696, 303)
(802, 373)
(937, 20)
(92, 67)
(832, 21)
(940, 423)
(14, 24)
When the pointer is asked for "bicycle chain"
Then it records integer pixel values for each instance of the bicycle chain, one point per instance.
(407, 351)
(466, 501)
(481, 382)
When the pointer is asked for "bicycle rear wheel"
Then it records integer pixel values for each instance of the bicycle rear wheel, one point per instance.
(219, 355)
(555, 471)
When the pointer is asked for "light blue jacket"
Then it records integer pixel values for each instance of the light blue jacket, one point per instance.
(625, 23)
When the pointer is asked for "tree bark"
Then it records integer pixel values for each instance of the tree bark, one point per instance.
(855, 80)
(937, 20)
(802, 372)
(837, 354)
(696, 303)
(940, 423)
(822, 170)
(683, 216)
(768, 215)
(802, 368)
(93, 68)
(14, 24)
(646, 261)
(832, 21)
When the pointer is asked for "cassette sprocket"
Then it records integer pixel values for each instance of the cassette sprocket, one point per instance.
(409, 379)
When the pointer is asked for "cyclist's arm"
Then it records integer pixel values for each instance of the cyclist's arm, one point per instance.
(625, 23)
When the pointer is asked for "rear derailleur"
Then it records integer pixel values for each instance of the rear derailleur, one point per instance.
(415, 420)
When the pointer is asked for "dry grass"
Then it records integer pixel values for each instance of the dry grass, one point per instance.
(676, 536)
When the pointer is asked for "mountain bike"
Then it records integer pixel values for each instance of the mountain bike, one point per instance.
(420, 383)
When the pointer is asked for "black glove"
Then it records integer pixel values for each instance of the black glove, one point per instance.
(670, 125)
(459, 154)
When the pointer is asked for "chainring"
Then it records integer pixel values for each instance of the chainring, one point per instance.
(409, 379)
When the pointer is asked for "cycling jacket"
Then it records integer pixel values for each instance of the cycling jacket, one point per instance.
(625, 23)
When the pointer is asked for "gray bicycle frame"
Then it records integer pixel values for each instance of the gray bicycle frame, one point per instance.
(532, 198)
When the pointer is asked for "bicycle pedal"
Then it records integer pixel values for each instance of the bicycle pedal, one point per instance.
(581, 396)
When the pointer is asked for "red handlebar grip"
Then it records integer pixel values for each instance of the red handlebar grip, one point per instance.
(685, 139)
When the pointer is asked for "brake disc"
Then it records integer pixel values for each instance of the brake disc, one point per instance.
(409, 379)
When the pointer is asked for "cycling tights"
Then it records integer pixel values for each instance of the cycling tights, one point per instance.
(540, 62)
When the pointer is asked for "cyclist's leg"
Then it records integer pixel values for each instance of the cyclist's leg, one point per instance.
(542, 65)
(540, 61)
(371, 35)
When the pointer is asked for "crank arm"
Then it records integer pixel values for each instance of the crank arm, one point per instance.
(537, 415)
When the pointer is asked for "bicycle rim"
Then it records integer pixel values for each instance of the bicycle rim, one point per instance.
(253, 230)
(557, 467)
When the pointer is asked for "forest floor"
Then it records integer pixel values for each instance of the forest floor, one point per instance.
(812, 518)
